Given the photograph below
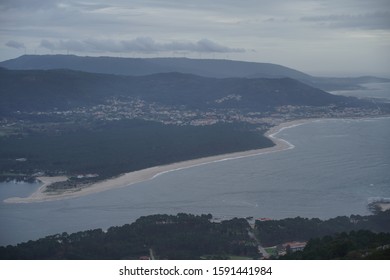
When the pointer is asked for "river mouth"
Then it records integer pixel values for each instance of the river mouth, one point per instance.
(335, 167)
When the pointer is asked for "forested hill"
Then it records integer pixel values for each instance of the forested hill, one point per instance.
(25, 90)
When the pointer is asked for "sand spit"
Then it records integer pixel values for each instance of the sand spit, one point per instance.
(384, 206)
(134, 177)
(37, 195)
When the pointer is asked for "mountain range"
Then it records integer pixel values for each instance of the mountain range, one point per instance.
(213, 68)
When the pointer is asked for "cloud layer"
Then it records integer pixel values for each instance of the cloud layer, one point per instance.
(377, 20)
(15, 44)
(139, 45)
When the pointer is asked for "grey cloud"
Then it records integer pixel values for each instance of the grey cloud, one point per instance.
(48, 45)
(375, 20)
(103, 45)
(139, 44)
(143, 44)
(28, 4)
(70, 45)
(15, 44)
(73, 45)
(89, 6)
(206, 45)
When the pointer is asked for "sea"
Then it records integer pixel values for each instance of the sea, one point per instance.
(337, 167)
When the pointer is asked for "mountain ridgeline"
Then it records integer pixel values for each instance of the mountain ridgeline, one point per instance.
(212, 68)
(32, 90)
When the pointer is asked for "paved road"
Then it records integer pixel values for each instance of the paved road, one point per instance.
(259, 247)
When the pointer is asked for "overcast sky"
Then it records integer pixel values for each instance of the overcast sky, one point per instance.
(330, 37)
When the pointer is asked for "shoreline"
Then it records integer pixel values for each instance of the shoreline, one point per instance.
(134, 177)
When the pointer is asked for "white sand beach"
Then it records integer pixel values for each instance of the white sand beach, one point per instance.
(134, 177)
(384, 206)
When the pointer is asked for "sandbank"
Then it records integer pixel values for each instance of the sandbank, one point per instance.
(134, 177)
(384, 206)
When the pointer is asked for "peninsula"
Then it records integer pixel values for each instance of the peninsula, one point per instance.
(130, 178)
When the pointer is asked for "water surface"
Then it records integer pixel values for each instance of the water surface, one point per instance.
(336, 168)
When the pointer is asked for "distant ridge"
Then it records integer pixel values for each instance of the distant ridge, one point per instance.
(214, 68)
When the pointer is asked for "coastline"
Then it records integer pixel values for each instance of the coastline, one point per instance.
(134, 177)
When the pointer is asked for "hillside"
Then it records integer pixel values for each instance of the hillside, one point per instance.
(29, 90)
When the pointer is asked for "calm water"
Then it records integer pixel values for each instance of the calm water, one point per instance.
(336, 168)
(375, 90)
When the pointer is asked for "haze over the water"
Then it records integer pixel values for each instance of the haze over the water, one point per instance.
(333, 38)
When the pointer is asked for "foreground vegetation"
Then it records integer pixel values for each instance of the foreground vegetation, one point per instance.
(271, 233)
(186, 236)
(362, 244)
(160, 236)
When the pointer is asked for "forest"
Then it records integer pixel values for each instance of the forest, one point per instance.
(109, 149)
(182, 236)
(187, 236)
(275, 232)
(362, 244)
